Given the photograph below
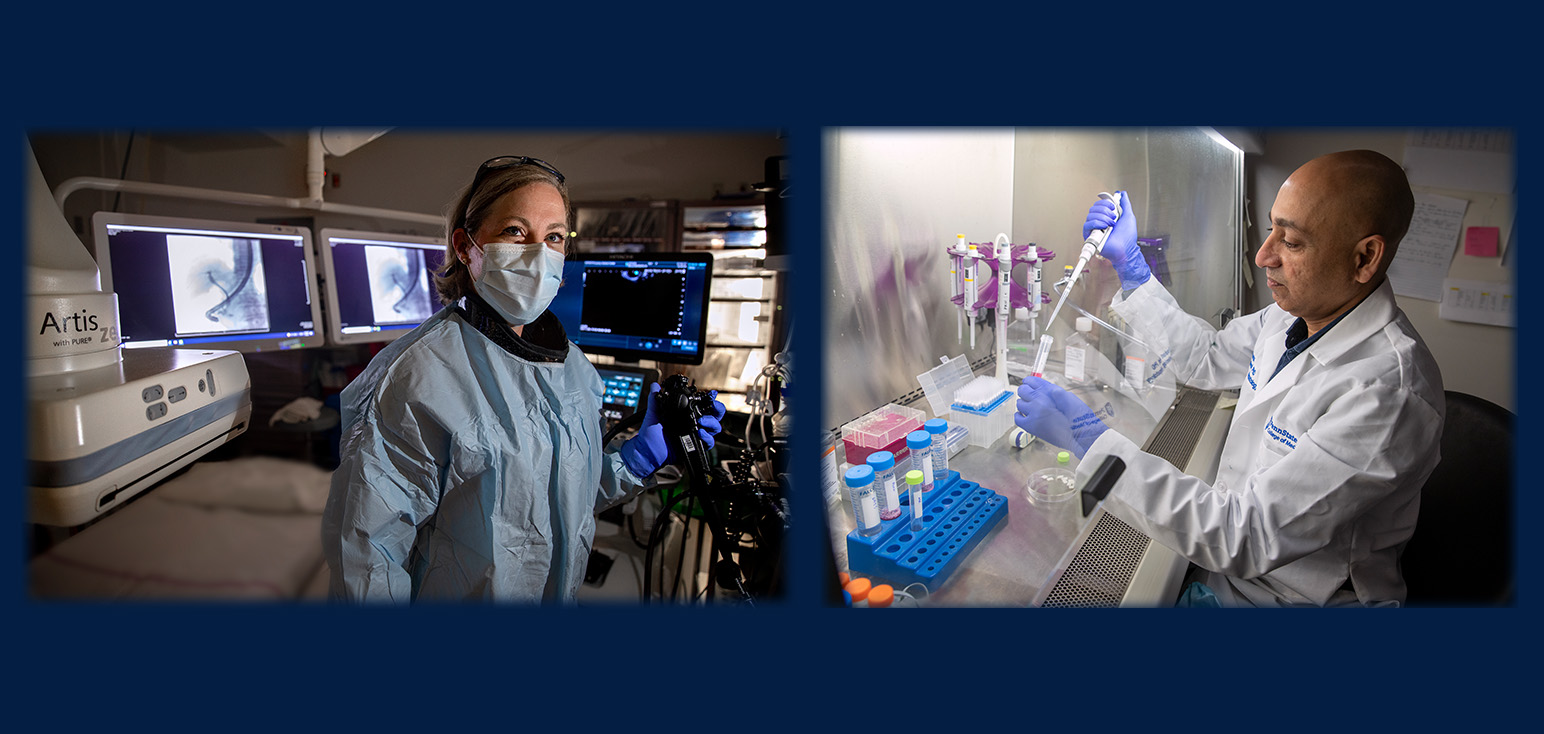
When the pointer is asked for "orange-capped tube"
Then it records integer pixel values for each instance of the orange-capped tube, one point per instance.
(844, 578)
(859, 589)
(881, 596)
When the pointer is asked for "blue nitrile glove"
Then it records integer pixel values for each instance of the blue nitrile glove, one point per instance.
(1056, 416)
(1120, 247)
(649, 450)
(708, 426)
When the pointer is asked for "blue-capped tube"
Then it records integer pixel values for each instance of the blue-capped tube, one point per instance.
(886, 493)
(865, 511)
(937, 429)
(921, 445)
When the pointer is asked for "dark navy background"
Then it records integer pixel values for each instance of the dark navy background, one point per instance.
(794, 665)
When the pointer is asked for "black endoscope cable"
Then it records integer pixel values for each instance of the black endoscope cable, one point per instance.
(680, 557)
(660, 521)
(630, 421)
(655, 537)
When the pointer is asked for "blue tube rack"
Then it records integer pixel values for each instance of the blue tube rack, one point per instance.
(956, 516)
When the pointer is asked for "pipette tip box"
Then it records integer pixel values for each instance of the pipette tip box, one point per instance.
(956, 516)
(882, 429)
(987, 423)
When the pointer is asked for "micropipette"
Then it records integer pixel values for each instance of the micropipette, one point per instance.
(1094, 244)
(955, 274)
(1004, 283)
(970, 290)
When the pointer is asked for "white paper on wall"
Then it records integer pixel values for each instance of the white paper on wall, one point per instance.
(1471, 160)
(1427, 250)
(1477, 301)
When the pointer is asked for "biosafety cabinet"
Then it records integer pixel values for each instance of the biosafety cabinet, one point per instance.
(897, 200)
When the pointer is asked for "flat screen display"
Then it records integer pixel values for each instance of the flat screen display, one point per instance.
(378, 286)
(626, 389)
(180, 282)
(634, 306)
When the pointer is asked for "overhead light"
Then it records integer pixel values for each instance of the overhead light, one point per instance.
(342, 141)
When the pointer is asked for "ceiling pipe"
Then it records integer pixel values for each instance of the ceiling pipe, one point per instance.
(315, 177)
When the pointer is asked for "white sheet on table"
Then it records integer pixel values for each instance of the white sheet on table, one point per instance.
(258, 483)
(184, 545)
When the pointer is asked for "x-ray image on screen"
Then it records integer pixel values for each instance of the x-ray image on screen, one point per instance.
(217, 284)
(399, 284)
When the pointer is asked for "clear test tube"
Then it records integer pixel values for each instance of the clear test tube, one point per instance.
(937, 428)
(886, 493)
(914, 495)
(865, 511)
(921, 445)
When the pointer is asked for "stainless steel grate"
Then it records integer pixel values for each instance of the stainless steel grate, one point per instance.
(1101, 570)
(1175, 440)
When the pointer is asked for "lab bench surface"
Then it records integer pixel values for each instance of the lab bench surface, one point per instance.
(1017, 558)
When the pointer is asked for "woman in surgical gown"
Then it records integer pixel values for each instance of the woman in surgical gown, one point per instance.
(472, 459)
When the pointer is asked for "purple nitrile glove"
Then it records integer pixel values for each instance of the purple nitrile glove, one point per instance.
(1056, 416)
(1120, 247)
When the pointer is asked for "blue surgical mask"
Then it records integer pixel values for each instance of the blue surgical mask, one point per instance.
(519, 280)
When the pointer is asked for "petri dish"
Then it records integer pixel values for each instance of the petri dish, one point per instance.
(1051, 485)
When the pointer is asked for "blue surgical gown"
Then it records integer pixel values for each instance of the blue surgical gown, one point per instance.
(471, 469)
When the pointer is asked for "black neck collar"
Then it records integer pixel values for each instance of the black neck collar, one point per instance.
(542, 340)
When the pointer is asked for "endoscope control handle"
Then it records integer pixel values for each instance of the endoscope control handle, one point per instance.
(1101, 482)
(693, 453)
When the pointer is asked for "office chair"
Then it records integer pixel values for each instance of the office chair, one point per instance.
(1461, 553)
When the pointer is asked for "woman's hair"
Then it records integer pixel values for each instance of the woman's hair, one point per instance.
(471, 207)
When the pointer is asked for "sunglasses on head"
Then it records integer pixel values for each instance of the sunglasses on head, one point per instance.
(507, 161)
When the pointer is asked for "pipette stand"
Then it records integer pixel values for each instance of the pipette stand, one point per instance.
(987, 286)
(956, 516)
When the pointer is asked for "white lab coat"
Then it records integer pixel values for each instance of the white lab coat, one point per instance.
(1321, 472)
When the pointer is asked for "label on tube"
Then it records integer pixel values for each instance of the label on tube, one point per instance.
(864, 507)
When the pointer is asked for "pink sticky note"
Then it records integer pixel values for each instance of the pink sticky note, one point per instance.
(1481, 241)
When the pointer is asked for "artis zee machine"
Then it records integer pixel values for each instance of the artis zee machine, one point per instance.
(107, 423)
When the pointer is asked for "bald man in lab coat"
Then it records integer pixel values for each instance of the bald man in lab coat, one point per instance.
(1339, 416)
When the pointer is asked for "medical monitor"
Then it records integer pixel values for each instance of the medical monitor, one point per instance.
(210, 284)
(627, 389)
(639, 305)
(378, 286)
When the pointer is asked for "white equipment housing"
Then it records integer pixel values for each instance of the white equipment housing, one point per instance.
(106, 424)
